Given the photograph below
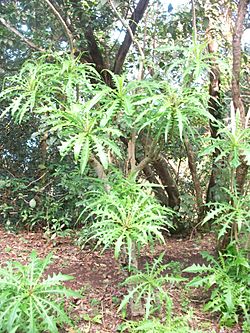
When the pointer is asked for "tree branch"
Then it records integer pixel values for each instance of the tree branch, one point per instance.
(68, 32)
(163, 171)
(194, 20)
(94, 49)
(98, 167)
(129, 37)
(237, 36)
(195, 178)
(24, 39)
(242, 170)
(141, 165)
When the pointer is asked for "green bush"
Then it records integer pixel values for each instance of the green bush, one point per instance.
(229, 282)
(148, 286)
(125, 218)
(231, 216)
(30, 302)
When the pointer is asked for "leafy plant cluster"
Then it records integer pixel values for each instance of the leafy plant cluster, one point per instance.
(125, 217)
(151, 285)
(30, 301)
(228, 280)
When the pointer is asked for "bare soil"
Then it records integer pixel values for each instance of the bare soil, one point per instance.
(98, 276)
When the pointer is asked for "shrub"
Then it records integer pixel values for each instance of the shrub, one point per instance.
(31, 302)
(148, 286)
(228, 279)
(125, 219)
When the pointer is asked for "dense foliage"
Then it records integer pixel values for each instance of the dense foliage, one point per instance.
(128, 121)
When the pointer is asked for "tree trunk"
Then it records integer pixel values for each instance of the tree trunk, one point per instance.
(162, 169)
(215, 109)
(160, 194)
(195, 178)
(124, 48)
(238, 106)
(242, 170)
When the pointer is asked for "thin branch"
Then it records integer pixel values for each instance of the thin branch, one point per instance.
(68, 32)
(194, 20)
(124, 23)
(141, 165)
(24, 39)
(129, 37)
(61, 11)
(195, 178)
(36, 180)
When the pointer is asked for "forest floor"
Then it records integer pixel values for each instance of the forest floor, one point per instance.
(98, 276)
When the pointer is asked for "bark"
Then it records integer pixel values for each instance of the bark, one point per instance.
(100, 172)
(81, 29)
(98, 168)
(125, 46)
(195, 178)
(65, 26)
(131, 152)
(194, 20)
(215, 109)
(162, 169)
(238, 106)
(242, 170)
(238, 31)
(159, 191)
(94, 50)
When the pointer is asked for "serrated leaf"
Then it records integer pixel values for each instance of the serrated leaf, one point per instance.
(76, 108)
(78, 145)
(108, 114)
(85, 155)
(229, 299)
(118, 245)
(196, 268)
(101, 152)
(91, 103)
(181, 120)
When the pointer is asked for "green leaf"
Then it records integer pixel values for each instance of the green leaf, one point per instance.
(181, 120)
(196, 268)
(101, 152)
(78, 145)
(25, 290)
(229, 299)
(246, 153)
(108, 114)
(90, 104)
(85, 155)
(48, 320)
(118, 245)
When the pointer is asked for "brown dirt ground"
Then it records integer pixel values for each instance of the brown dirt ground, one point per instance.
(98, 276)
